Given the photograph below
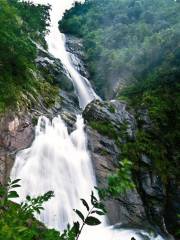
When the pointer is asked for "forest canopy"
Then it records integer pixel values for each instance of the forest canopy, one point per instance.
(124, 39)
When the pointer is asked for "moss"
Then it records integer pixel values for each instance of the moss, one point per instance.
(49, 94)
(34, 121)
(112, 109)
(104, 128)
(104, 152)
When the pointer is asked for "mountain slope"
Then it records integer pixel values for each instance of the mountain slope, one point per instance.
(133, 53)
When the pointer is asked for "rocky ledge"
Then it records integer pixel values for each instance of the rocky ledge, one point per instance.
(144, 206)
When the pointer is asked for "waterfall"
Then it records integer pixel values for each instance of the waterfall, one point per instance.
(56, 45)
(60, 161)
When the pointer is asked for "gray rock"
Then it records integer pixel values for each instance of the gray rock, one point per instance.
(16, 133)
(145, 159)
(75, 47)
(127, 209)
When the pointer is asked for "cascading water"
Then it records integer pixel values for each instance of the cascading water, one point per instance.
(59, 161)
(56, 44)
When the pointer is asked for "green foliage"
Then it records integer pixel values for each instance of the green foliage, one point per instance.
(111, 109)
(158, 95)
(35, 19)
(97, 208)
(21, 24)
(17, 222)
(124, 39)
(105, 128)
(120, 181)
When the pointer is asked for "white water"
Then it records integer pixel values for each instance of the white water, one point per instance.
(56, 44)
(60, 161)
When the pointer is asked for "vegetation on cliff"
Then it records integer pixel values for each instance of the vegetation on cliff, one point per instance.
(22, 24)
(140, 38)
(124, 40)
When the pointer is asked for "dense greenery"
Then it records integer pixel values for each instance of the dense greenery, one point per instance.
(124, 39)
(158, 94)
(21, 24)
(17, 222)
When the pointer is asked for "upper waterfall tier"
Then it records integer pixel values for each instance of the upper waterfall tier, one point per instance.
(56, 46)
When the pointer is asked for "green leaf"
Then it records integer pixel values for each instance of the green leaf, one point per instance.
(22, 229)
(100, 206)
(28, 198)
(92, 221)
(76, 227)
(98, 212)
(93, 199)
(13, 194)
(15, 181)
(79, 214)
(85, 204)
(2, 191)
(15, 186)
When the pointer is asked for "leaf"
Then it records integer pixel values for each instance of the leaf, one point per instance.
(100, 206)
(93, 199)
(98, 212)
(28, 198)
(15, 181)
(22, 229)
(92, 221)
(85, 204)
(79, 214)
(15, 186)
(2, 191)
(76, 227)
(13, 194)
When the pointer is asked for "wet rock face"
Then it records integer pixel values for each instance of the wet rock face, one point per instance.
(113, 112)
(160, 198)
(52, 70)
(172, 220)
(146, 204)
(127, 209)
(153, 196)
(75, 47)
(16, 133)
